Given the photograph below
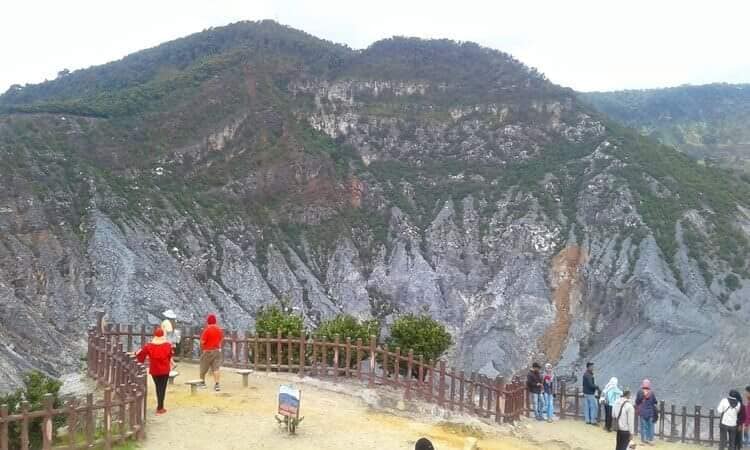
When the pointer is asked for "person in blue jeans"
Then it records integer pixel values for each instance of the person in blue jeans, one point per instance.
(548, 387)
(534, 385)
(590, 406)
(645, 405)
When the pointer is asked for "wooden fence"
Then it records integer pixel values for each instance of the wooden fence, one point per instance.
(676, 424)
(356, 361)
(90, 423)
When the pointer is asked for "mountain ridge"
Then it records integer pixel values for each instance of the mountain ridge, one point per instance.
(412, 176)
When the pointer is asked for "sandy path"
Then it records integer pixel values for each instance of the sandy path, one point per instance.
(243, 418)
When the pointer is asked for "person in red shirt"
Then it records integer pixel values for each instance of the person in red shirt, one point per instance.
(159, 353)
(211, 358)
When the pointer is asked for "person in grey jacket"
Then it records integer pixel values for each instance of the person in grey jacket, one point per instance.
(623, 417)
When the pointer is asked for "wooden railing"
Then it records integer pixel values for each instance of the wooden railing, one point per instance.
(676, 424)
(367, 363)
(90, 423)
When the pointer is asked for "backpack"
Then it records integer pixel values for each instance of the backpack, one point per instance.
(616, 424)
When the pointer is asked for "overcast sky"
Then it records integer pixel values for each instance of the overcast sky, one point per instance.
(584, 44)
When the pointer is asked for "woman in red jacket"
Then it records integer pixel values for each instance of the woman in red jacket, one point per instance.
(159, 353)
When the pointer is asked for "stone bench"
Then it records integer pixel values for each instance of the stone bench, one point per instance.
(245, 375)
(172, 375)
(194, 385)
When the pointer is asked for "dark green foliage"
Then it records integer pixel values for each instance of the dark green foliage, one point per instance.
(36, 386)
(421, 334)
(346, 326)
(732, 282)
(271, 319)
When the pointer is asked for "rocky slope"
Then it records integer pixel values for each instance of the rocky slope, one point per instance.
(709, 122)
(245, 164)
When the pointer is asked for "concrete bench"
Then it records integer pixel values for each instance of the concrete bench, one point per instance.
(194, 385)
(245, 374)
(172, 375)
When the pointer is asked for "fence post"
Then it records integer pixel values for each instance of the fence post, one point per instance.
(359, 358)
(397, 366)
(578, 405)
(143, 335)
(108, 418)
(268, 352)
(452, 402)
(336, 343)
(72, 423)
(279, 350)
(348, 364)
(409, 372)
(461, 391)
(302, 351)
(371, 381)
(420, 376)
(499, 398)
(47, 422)
(441, 384)
(672, 425)
(662, 416)
(89, 425)
(697, 425)
(563, 400)
(711, 417)
(684, 424)
(24, 425)
(3, 427)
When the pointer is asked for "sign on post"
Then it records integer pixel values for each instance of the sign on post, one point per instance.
(289, 398)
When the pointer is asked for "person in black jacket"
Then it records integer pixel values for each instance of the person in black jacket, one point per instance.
(590, 406)
(534, 385)
(740, 419)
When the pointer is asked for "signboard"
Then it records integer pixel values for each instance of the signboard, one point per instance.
(289, 398)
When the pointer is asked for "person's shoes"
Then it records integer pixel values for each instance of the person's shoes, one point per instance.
(201, 385)
(549, 420)
(216, 387)
(159, 412)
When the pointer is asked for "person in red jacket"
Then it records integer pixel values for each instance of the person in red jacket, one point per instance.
(159, 353)
(211, 358)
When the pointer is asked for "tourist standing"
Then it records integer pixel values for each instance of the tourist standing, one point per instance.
(171, 332)
(729, 411)
(623, 415)
(159, 354)
(548, 386)
(645, 403)
(211, 358)
(610, 395)
(590, 407)
(534, 385)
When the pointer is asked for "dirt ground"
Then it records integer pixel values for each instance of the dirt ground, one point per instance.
(243, 418)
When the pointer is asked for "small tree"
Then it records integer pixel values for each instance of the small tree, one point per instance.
(347, 326)
(420, 334)
(270, 320)
(36, 386)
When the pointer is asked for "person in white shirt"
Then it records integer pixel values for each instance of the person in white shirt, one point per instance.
(729, 411)
(623, 418)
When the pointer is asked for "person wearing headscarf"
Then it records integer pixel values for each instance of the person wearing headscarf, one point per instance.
(645, 404)
(548, 387)
(159, 354)
(740, 419)
(423, 444)
(610, 394)
(729, 414)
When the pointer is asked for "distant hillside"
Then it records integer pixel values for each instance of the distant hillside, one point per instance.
(710, 122)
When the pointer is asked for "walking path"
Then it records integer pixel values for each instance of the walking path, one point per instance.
(337, 417)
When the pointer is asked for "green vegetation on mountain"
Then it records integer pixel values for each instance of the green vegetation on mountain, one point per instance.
(709, 122)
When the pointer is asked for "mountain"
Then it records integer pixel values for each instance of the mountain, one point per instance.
(709, 122)
(252, 163)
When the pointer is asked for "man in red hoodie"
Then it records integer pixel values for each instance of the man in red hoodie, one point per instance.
(211, 358)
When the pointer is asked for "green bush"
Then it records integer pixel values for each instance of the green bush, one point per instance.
(347, 326)
(36, 385)
(270, 320)
(420, 334)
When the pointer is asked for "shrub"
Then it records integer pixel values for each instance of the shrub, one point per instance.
(36, 385)
(270, 320)
(420, 334)
(347, 326)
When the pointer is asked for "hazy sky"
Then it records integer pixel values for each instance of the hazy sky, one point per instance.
(584, 44)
